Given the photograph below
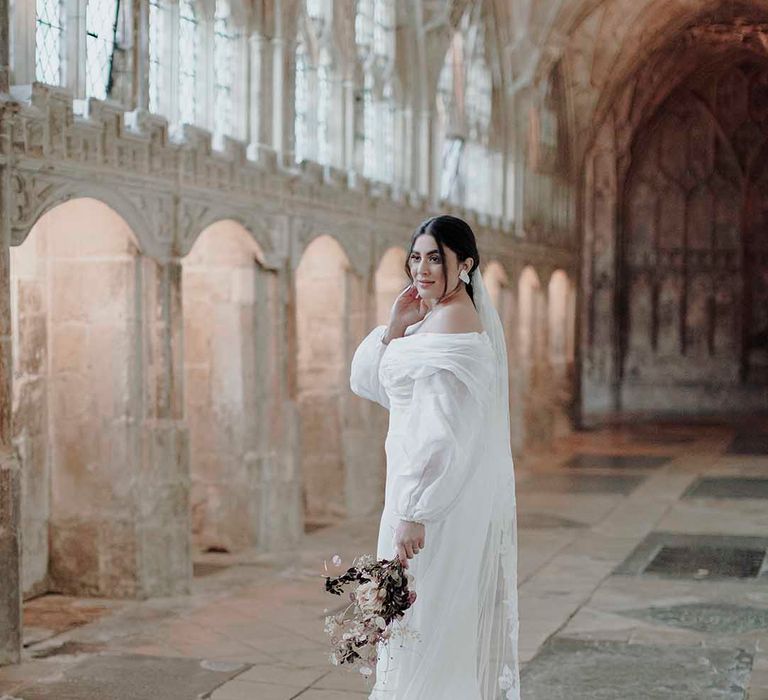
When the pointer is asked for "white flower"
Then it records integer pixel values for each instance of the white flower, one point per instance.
(366, 595)
(508, 681)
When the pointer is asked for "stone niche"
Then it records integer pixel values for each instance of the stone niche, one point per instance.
(226, 341)
(90, 507)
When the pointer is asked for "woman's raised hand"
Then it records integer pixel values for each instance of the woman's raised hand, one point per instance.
(409, 308)
(409, 540)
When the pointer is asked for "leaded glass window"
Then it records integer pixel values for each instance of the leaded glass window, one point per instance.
(189, 50)
(374, 36)
(301, 102)
(369, 130)
(313, 83)
(387, 107)
(450, 89)
(364, 26)
(100, 27)
(319, 13)
(379, 134)
(479, 91)
(470, 169)
(224, 68)
(384, 29)
(48, 41)
(158, 31)
(323, 107)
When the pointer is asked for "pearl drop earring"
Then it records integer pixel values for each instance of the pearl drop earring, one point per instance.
(464, 276)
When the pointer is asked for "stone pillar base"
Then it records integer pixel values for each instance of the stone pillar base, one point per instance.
(10, 559)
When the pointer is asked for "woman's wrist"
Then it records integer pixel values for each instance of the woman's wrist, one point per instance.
(392, 332)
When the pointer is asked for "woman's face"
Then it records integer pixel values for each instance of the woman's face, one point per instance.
(427, 269)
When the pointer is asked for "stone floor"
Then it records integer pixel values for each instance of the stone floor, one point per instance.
(643, 575)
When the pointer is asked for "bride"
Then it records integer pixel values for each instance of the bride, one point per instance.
(440, 367)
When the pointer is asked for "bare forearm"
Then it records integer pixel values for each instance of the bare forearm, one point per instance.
(393, 331)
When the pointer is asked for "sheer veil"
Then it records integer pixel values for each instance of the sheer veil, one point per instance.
(497, 657)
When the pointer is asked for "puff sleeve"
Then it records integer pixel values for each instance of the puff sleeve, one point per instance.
(364, 372)
(445, 424)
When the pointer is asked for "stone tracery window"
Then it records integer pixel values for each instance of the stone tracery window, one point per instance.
(470, 166)
(375, 39)
(224, 48)
(323, 106)
(100, 28)
(49, 31)
(313, 83)
(301, 125)
(158, 36)
(189, 52)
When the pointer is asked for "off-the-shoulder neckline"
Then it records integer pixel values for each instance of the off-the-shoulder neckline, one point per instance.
(439, 333)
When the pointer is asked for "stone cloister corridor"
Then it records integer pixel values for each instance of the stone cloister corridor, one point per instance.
(205, 206)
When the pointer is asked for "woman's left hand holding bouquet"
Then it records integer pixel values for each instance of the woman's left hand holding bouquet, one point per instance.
(409, 540)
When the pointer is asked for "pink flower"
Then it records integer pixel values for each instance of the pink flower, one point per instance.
(366, 595)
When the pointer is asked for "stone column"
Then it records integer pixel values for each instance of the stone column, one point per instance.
(598, 383)
(348, 129)
(10, 489)
(282, 515)
(541, 395)
(260, 90)
(5, 62)
(362, 455)
(162, 498)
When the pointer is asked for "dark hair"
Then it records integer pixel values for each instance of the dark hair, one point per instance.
(454, 233)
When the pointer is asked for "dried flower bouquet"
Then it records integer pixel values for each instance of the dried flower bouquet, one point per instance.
(378, 602)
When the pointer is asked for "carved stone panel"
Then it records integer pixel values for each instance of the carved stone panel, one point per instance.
(694, 283)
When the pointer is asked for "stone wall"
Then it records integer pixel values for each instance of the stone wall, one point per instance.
(674, 257)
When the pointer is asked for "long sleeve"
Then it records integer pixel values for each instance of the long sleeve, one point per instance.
(364, 372)
(441, 451)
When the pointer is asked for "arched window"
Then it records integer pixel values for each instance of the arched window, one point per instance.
(100, 28)
(375, 38)
(189, 52)
(49, 30)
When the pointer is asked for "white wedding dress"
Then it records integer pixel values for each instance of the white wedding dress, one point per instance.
(443, 470)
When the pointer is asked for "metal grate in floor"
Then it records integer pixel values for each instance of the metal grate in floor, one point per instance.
(607, 461)
(707, 562)
(579, 483)
(697, 557)
(728, 487)
(749, 444)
